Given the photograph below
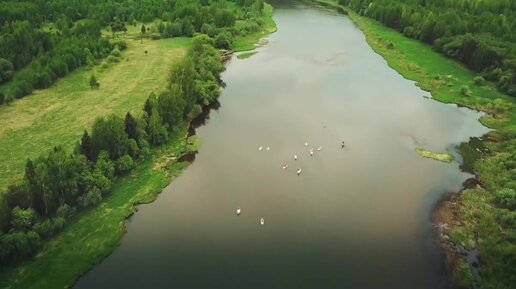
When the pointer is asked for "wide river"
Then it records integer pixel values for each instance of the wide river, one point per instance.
(357, 217)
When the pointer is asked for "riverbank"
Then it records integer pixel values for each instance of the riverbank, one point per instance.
(94, 233)
(474, 218)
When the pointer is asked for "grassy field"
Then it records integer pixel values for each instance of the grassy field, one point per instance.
(471, 219)
(97, 232)
(33, 125)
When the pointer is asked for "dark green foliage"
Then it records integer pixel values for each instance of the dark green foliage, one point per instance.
(6, 70)
(124, 165)
(224, 40)
(22, 219)
(131, 127)
(58, 183)
(506, 198)
(480, 34)
(108, 134)
(86, 146)
(93, 82)
(171, 106)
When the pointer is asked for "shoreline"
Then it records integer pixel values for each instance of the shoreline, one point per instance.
(142, 186)
(457, 235)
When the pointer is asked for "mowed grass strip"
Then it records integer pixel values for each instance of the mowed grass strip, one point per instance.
(31, 126)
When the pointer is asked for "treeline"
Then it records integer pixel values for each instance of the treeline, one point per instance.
(41, 41)
(56, 185)
(41, 58)
(220, 20)
(480, 34)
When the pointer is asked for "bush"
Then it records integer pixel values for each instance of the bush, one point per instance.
(506, 198)
(115, 52)
(224, 40)
(124, 165)
(464, 90)
(120, 44)
(58, 223)
(6, 70)
(45, 229)
(113, 59)
(90, 198)
(155, 36)
(23, 219)
(65, 211)
(479, 80)
(104, 65)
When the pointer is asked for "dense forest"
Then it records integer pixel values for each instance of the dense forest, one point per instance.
(57, 185)
(41, 41)
(480, 34)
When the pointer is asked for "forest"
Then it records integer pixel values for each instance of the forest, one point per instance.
(37, 48)
(63, 37)
(479, 34)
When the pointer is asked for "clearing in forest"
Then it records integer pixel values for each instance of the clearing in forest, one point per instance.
(31, 126)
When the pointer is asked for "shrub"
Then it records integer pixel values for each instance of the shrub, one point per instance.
(65, 211)
(23, 219)
(464, 90)
(120, 44)
(45, 229)
(500, 105)
(155, 36)
(113, 59)
(6, 70)
(124, 165)
(90, 198)
(116, 52)
(506, 198)
(479, 80)
(104, 65)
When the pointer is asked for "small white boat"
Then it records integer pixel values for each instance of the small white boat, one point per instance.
(268, 148)
(306, 144)
(262, 221)
(260, 148)
(295, 157)
(285, 167)
(298, 172)
(311, 153)
(319, 149)
(238, 211)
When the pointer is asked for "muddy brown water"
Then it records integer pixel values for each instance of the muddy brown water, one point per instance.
(357, 217)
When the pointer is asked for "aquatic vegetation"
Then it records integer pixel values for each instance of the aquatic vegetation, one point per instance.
(442, 157)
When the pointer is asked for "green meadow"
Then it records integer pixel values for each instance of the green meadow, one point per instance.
(31, 126)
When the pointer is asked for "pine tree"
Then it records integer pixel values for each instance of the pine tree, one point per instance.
(93, 82)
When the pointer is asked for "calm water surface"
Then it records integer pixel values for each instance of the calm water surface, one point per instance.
(357, 217)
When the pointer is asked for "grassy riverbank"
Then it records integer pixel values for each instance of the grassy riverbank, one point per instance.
(95, 232)
(481, 217)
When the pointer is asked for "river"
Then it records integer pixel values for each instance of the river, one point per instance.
(357, 217)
